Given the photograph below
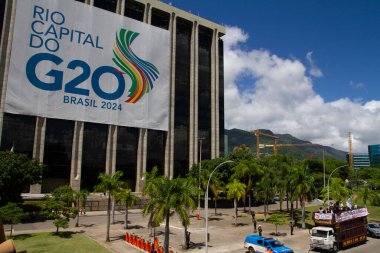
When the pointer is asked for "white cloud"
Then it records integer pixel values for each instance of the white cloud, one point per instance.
(314, 70)
(357, 85)
(282, 99)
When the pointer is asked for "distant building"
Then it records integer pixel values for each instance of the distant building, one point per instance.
(361, 160)
(374, 155)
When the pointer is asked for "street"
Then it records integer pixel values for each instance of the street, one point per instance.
(224, 236)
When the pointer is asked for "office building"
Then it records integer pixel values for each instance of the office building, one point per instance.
(67, 116)
(374, 155)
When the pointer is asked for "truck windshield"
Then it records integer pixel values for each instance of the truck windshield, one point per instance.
(320, 233)
(275, 244)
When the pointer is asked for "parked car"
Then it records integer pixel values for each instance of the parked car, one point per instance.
(373, 229)
(256, 243)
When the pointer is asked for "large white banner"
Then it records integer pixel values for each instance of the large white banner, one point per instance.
(77, 62)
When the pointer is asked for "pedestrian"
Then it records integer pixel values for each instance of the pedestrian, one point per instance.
(291, 227)
(84, 211)
(254, 225)
(260, 230)
(81, 211)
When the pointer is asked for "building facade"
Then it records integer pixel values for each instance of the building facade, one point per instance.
(374, 155)
(361, 160)
(75, 152)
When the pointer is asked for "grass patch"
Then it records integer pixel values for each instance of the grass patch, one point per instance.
(64, 242)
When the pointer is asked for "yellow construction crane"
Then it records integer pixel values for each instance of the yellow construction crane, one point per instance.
(276, 146)
(257, 134)
(350, 158)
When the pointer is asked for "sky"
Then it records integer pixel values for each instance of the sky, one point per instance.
(310, 68)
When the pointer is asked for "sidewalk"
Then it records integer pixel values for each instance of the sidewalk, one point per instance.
(224, 236)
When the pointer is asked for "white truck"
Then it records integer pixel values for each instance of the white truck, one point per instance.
(339, 230)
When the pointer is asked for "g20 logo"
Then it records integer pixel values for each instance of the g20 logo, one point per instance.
(141, 73)
(72, 85)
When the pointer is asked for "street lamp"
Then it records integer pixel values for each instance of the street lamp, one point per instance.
(328, 182)
(206, 200)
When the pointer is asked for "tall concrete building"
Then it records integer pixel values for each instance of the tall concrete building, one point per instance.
(75, 150)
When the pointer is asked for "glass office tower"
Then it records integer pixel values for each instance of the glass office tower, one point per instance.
(374, 155)
(75, 152)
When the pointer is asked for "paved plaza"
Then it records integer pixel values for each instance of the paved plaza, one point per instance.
(224, 236)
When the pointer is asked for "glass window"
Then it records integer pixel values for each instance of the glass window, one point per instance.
(182, 98)
(93, 154)
(108, 5)
(319, 233)
(134, 10)
(156, 150)
(57, 153)
(204, 90)
(126, 154)
(160, 19)
(18, 133)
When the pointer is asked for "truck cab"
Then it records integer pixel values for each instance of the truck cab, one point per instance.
(323, 238)
(260, 244)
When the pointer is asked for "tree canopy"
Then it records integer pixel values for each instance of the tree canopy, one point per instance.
(17, 172)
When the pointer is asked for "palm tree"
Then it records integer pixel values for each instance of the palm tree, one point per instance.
(304, 183)
(80, 199)
(236, 191)
(176, 194)
(108, 184)
(129, 199)
(248, 170)
(265, 189)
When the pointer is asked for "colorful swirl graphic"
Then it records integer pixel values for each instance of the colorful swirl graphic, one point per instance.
(141, 72)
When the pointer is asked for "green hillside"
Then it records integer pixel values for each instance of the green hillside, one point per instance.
(237, 137)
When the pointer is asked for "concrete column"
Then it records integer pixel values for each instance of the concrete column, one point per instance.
(147, 14)
(217, 130)
(194, 136)
(111, 150)
(141, 158)
(169, 145)
(119, 5)
(213, 107)
(76, 156)
(122, 7)
(5, 53)
(38, 147)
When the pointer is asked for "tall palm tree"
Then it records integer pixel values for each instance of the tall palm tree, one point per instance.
(249, 171)
(108, 184)
(81, 200)
(175, 194)
(265, 189)
(126, 196)
(304, 183)
(236, 191)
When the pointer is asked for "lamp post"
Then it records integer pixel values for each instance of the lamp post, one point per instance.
(206, 200)
(328, 182)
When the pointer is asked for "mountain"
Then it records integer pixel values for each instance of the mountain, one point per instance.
(237, 137)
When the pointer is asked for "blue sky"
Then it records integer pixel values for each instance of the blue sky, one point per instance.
(313, 66)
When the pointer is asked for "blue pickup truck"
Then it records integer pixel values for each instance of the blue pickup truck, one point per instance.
(260, 244)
